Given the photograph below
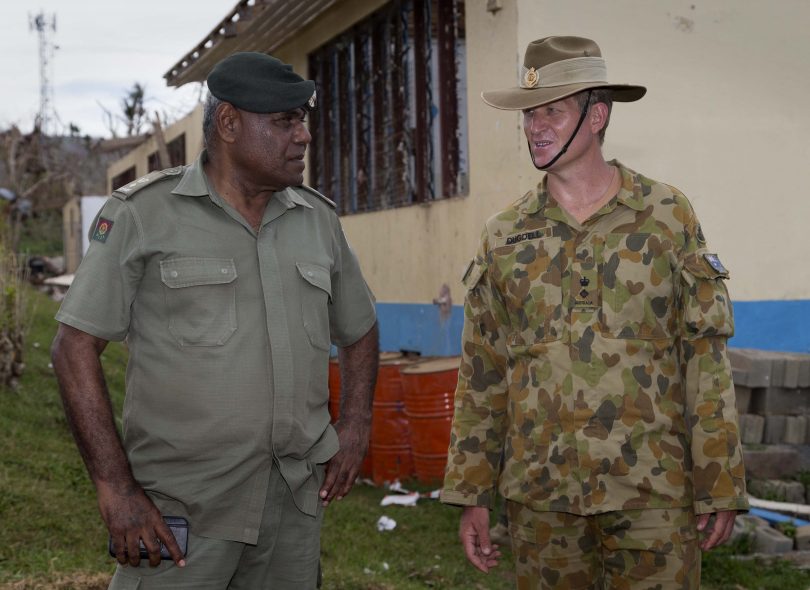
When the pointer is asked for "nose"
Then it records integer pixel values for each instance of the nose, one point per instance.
(534, 122)
(302, 134)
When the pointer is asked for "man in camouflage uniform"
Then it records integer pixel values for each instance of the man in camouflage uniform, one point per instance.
(594, 388)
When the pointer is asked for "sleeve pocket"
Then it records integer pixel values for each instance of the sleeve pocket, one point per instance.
(706, 305)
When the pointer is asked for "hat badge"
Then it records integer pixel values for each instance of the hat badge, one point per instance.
(530, 78)
(312, 100)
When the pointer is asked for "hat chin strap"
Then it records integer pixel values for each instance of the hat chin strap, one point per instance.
(570, 139)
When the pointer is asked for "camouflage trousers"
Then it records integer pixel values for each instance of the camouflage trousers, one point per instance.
(630, 549)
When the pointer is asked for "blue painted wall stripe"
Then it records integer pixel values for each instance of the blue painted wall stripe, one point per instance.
(767, 325)
(772, 325)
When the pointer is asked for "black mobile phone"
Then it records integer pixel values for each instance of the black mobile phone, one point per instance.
(179, 528)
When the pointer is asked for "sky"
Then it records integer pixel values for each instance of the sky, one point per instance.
(103, 48)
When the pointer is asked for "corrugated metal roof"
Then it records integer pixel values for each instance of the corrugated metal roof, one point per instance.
(252, 25)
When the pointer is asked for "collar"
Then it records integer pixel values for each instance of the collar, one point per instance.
(194, 183)
(630, 193)
(289, 197)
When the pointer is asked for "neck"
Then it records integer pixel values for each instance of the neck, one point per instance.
(583, 187)
(245, 197)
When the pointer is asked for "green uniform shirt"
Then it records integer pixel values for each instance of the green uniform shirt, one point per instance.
(594, 374)
(229, 332)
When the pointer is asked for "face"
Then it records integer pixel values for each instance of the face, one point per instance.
(549, 127)
(272, 147)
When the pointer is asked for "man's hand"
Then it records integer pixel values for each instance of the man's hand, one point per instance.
(343, 468)
(128, 513)
(718, 531)
(358, 375)
(474, 535)
(132, 517)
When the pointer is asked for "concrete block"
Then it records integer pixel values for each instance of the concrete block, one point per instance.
(762, 488)
(770, 541)
(771, 462)
(752, 428)
(795, 430)
(804, 374)
(791, 369)
(802, 537)
(743, 529)
(793, 491)
(763, 368)
(781, 400)
(774, 429)
(752, 367)
(743, 397)
(778, 490)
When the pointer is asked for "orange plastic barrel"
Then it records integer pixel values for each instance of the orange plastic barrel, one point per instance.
(391, 457)
(334, 404)
(429, 389)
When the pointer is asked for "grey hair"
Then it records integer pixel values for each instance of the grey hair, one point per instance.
(209, 125)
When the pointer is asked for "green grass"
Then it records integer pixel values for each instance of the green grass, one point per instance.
(48, 518)
(41, 234)
(52, 535)
(721, 571)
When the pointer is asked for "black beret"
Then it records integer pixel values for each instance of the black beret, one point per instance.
(260, 83)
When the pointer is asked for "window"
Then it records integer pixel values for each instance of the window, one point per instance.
(391, 125)
(125, 177)
(177, 151)
(177, 155)
(153, 162)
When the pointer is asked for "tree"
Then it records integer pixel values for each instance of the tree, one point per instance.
(133, 109)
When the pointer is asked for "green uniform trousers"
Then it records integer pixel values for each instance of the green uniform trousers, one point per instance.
(621, 550)
(286, 556)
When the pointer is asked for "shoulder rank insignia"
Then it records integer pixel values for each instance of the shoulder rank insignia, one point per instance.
(312, 191)
(130, 189)
(715, 263)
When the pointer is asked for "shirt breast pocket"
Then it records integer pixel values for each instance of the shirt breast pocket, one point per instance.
(316, 294)
(637, 287)
(528, 274)
(200, 299)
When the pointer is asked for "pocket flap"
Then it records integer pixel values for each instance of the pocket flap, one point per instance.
(473, 274)
(316, 275)
(704, 265)
(190, 272)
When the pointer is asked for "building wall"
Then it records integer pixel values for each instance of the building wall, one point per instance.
(191, 125)
(721, 121)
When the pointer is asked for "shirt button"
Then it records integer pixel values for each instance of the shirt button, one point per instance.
(174, 274)
(309, 273)
(224, 271)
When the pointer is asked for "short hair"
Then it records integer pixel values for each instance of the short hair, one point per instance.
(604, 95)
(209, 125)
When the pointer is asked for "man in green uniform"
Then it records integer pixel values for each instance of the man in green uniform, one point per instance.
(594, 391)
(229, 280)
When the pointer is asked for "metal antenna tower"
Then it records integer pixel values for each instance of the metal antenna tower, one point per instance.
(44, 27)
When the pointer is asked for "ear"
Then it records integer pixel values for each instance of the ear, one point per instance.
(598, 117)
(229, 122)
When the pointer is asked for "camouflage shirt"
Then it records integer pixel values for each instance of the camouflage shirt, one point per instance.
(594, 374)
